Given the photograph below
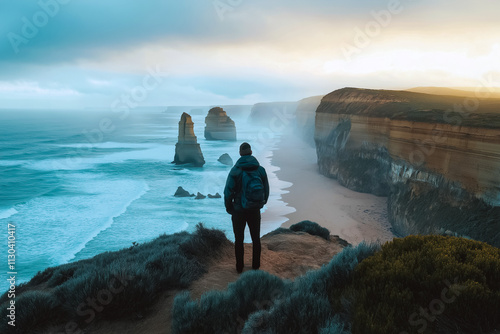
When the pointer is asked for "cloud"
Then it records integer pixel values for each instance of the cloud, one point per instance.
(23, 89)
(274, 50)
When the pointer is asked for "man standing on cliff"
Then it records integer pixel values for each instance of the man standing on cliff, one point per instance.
(246, 192)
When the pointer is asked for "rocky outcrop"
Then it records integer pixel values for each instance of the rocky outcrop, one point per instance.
(439, 166)
(181, 192)
(217, 195)
(200, 196)
(225, 159)
(219, 126)
(187, 149)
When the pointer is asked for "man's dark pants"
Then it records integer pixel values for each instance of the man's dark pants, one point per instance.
(240, 218)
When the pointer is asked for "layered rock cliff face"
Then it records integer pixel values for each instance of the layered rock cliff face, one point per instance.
(219, 126)
(436, 157)
(187, 149)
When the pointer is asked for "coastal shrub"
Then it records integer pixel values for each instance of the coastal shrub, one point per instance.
(116, 284)
(335, 325)
(308, 308)
(64, 273)
(226, 311)
(259, 302)
(171, 270)
(204, 242)
(43, 276)
(428, 284)
(311, 228)
(108, 292)
(299, 312)
(33, 310)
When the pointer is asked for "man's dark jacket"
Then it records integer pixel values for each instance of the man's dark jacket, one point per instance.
(232, 191)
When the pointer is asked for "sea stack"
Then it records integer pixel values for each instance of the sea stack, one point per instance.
(187, 149)
(219, 126)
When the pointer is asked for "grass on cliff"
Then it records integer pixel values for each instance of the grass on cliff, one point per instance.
(419, 284)
(428, 284)
(260, 302)
(112, 284)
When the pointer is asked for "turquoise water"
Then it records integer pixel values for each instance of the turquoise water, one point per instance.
(74, 190)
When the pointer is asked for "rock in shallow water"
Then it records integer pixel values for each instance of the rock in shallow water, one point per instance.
(181, 192)
(200, 196)
(226, 159)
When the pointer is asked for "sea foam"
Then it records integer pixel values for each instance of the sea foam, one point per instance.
(4, 214)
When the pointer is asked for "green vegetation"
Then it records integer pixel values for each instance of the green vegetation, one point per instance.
(259, 302)
(226, 311)
(418, 284)
(113, 284)
(428, 284)
(311, 228)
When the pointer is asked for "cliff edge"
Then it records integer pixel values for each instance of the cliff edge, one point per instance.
(436, 157)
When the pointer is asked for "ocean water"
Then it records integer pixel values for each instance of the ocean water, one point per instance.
(73, 190)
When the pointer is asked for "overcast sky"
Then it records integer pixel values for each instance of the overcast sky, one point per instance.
(89, 53)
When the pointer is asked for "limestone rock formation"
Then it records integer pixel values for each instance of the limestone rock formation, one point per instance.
(217, 195)
(181, 192)
(219, 126)
(225, 159)
(438, 164)
(187, 149)
(200, 196)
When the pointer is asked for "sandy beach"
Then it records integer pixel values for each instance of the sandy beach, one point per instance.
(351, 215)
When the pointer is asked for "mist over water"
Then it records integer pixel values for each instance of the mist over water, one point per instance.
(74, 191)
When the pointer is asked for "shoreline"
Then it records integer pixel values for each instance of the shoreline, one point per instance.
(351, 215)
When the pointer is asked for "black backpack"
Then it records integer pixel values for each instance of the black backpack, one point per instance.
(252, 190)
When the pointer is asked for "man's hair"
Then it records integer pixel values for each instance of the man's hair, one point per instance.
(245, 149)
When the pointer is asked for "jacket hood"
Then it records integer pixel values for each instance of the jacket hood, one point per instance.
(247, 162)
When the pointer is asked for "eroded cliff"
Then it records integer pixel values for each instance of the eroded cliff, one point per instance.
(436, 157)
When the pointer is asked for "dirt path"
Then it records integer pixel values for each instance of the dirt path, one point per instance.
(283, 255)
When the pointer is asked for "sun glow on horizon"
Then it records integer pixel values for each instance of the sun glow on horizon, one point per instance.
(453, 64)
